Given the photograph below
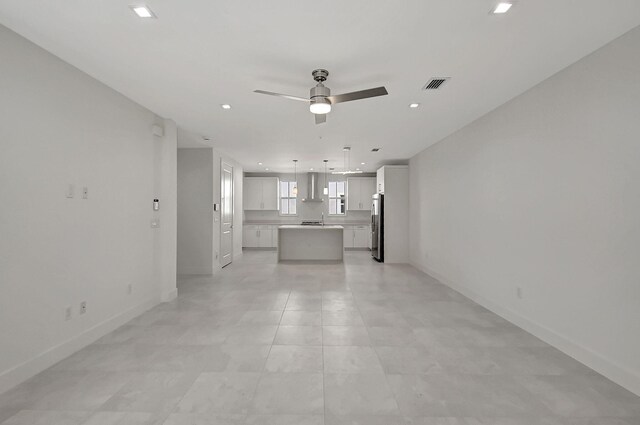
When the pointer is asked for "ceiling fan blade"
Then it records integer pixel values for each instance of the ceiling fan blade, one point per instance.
(321, 118)
(357, 95)
(286, 96)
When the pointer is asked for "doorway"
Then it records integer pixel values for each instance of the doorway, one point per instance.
(226, 200)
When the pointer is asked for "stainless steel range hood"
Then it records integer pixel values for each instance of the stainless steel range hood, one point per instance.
(314, 190)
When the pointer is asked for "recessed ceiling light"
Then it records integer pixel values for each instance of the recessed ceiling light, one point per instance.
(226, 106)
(502, 7)
(414, 105)
(311, 169)
(259, 163)
(357, 169)
(142, 11)
(266, 169)
(362, 163)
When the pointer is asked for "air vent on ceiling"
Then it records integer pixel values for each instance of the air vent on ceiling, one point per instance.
(435, 83)
(375, 149)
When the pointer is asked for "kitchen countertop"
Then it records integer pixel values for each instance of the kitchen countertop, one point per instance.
(301, 227)
(275, 223)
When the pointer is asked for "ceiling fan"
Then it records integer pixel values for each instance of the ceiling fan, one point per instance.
(320, 99)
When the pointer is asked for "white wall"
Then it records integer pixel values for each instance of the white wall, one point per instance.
(543, 194)
(199, 187)
(195, 211)
(58, 126)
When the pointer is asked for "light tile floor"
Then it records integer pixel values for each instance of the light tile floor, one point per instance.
(299, 344)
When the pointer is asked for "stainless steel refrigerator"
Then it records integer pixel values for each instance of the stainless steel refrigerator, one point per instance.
(377, 227)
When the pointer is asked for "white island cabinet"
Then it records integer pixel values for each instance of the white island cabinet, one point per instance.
(310, 243)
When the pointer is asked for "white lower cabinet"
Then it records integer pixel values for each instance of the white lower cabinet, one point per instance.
(263, 236)
(250, 238)
(361, 237)
(357, 236)
(348, 236)
(265, 239)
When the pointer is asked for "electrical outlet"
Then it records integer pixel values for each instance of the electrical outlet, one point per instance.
(83, 307)
(67, 313)
(85, 192)
(129, 289)
(155, 223)
(519, 292)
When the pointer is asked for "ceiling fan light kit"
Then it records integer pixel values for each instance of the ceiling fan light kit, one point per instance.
(320, 106)
(320, 99)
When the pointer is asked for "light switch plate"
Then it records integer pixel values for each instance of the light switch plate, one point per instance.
(71, 190)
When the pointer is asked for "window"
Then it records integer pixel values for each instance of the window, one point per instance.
(288, 199)
(336, 198)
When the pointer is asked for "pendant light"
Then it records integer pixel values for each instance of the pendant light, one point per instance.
(346, 153)
(295, 177)
(326, 188)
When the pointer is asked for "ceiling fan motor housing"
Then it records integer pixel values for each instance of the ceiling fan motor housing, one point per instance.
(319, 91)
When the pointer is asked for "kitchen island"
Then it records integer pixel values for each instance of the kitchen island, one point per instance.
(310, 243)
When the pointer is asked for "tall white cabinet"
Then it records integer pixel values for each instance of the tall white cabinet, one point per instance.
(393, 182)
(260, 193)
(359, 193)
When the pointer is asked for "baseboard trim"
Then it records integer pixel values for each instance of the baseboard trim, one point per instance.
(20, 373)
(196, 271)
(616, 373)
(169, 295)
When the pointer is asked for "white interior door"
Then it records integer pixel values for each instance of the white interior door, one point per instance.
(226, 199)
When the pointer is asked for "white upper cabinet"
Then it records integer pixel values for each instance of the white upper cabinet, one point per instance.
(260, 193)
(380, 180)
(359, 193)
(252, 193)
(270, 193)
(367, 189)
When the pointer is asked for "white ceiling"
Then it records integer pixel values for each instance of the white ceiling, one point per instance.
(199, 54)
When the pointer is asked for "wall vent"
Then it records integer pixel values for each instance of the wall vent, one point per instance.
(435, 83)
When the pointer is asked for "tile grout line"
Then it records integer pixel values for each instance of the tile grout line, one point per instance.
(264, 366)
(384, 372)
